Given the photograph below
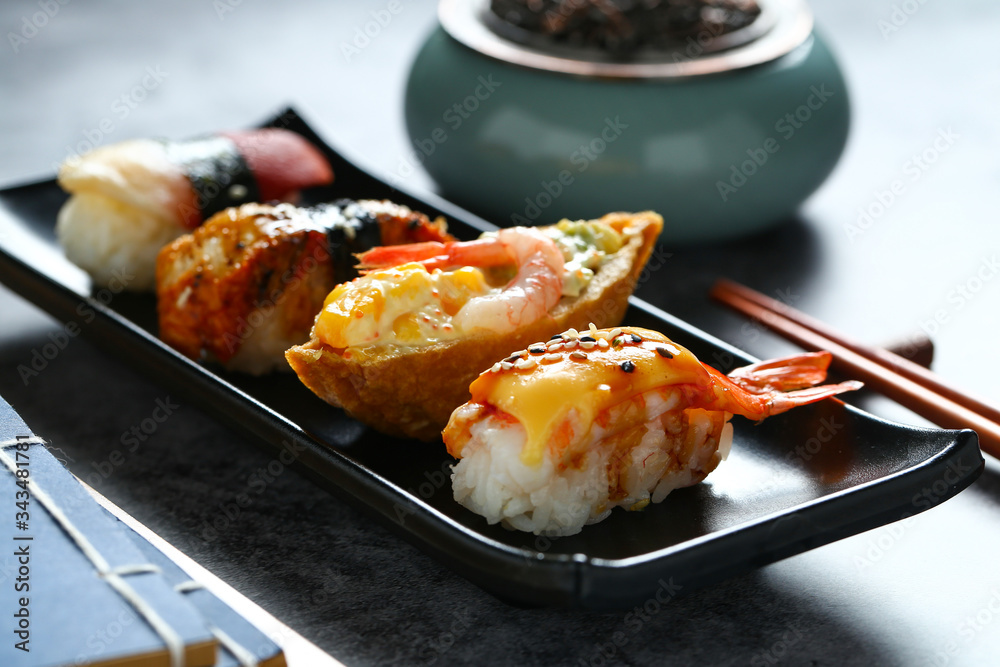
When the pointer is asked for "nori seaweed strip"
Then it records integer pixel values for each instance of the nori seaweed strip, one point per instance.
(351, 229)
(217, 172)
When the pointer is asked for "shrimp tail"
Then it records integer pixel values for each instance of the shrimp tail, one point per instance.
(782, 402)
(772, 387)
(786, 374)
(385, 256)
(436, 255)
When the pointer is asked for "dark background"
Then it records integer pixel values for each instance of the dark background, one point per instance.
(906, 594)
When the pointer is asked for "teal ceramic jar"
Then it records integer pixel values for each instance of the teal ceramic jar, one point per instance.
(722, 144)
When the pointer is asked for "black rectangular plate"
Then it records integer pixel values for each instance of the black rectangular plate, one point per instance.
(792, 483)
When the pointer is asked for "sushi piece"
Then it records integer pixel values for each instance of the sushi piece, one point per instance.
(246, 285)
(557, 435)
(398, 347)
(130, 199)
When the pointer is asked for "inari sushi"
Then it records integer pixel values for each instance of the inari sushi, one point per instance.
(398, 347)
(131, 198)
(557, 435)
(246, 285)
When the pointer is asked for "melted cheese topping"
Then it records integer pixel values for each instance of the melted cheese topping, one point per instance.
(406, 305)
(540, 389)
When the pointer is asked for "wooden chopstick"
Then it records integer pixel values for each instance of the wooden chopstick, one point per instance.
(877, 368)
(901, 365)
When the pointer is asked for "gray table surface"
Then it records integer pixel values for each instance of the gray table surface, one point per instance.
(921, 592)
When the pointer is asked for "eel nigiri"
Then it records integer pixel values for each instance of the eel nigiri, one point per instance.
(131, 198)
(557, 435)
(246, 285)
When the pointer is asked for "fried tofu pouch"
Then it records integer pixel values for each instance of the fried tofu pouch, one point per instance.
(411, 391)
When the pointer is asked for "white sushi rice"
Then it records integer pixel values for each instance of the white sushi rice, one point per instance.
(114, 242)
(491, 480)
(262, 347)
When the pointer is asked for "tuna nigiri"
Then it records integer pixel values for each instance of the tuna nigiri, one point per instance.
(131, 198)
(557, 435)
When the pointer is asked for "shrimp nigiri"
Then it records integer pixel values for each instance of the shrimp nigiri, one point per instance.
(557, 435)
(131, 198)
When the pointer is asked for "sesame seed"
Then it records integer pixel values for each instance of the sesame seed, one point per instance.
(628, 366)
(525, 364)
(571, 344)
(496, 367)
(635, 338)
(603, 343)
(587, 339)
(579, 356)
(555, 346)
(663, 352)
(557, 336)
(572, 333)
(593, 328)
(550, 358)
(537, 349)
(506, 365)
(615, 332)
(588, 345)
(514, 357)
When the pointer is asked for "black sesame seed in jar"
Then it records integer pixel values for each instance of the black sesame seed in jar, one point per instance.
(623, 28)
